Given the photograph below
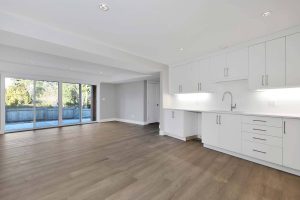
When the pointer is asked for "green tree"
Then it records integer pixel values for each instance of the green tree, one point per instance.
(71, 94)
(19, 93)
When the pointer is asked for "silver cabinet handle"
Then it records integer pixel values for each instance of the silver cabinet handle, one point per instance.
(267, 80)
(224, 72)
(227, 71)
(255, 150)
(256, 138)
(220, 119)
(257, 120)
(173, 115)
(200, 86)
(284, 127)
(263, 80)
(257, 129)
(217, 117)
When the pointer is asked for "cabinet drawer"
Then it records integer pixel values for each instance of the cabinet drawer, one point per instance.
(262, 139)
(263, 130)
(265, 121)
(263, 152)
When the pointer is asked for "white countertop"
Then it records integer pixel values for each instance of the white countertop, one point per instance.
(281, 115)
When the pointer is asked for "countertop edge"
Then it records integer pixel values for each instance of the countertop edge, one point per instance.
(275, 115)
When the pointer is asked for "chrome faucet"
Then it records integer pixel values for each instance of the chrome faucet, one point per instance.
(231, 104)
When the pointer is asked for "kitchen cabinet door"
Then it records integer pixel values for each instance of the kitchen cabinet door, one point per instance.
(257, 66)
(219, 66)
(291, 140)
(237, 64)
(230, 132)
(210, 129)
(275, 63)
(293, 60)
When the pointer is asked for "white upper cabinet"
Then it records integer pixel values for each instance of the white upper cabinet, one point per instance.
(257, 66)
(220, 67)
(275, 63)
(177, 76)
(201, 76)
(237, 64)
(293, 60)
(231, 66)
(267, 64)
(291, 147)
(191, 78)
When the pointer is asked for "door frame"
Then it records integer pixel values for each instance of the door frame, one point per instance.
(148, 108)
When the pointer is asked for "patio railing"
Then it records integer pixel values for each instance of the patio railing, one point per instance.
(15, 115)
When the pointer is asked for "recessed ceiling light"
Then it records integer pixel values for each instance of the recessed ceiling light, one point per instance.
(103, 7)
(266, 14)
(181, 49)
(100, 72)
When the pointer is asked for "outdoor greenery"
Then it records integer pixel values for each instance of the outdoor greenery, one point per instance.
(20, 93)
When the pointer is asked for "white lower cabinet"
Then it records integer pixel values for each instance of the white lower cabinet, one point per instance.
(210, 129)
(272, 140)
(222, 130)
(180, 124)
(291, 143)
(230, 135)
(264, 152)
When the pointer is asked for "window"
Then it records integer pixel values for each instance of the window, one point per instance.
(46, 103)
(86, 91)
(19, 98)
(71, 103)
(31, 104)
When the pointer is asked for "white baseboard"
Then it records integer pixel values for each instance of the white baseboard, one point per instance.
(272, 165)
(124, 120)
(108, 120)
(131, 121)
(162, 133)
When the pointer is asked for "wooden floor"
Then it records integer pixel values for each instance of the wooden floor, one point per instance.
(122, 161)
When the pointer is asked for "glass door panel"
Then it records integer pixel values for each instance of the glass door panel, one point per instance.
(19, 107)
(71, 103)
(86, 91)
(46, 101)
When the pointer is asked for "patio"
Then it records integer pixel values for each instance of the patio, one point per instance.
(22, 118)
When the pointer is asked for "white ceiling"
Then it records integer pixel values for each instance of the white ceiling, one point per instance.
(156, 29)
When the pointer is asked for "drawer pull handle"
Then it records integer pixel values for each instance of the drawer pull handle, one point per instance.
(259, 151)
(256, 138)
(257, 120)
(257, 129)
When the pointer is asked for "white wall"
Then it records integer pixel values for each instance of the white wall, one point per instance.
(126, 101)
(131, 101)
(108, 101)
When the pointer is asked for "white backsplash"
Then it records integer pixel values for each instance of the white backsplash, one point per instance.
(277, 101)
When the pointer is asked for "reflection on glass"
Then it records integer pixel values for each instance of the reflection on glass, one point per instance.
(46, 98)
(71, 103)
(18, 104)
(86, 91)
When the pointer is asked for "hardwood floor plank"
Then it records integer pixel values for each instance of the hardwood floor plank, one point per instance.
(123, 161)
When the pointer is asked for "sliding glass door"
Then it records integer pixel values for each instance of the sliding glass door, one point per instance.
(71, 103)
(31, 104)
(86, 91)
(46, 104)
(19, 104)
